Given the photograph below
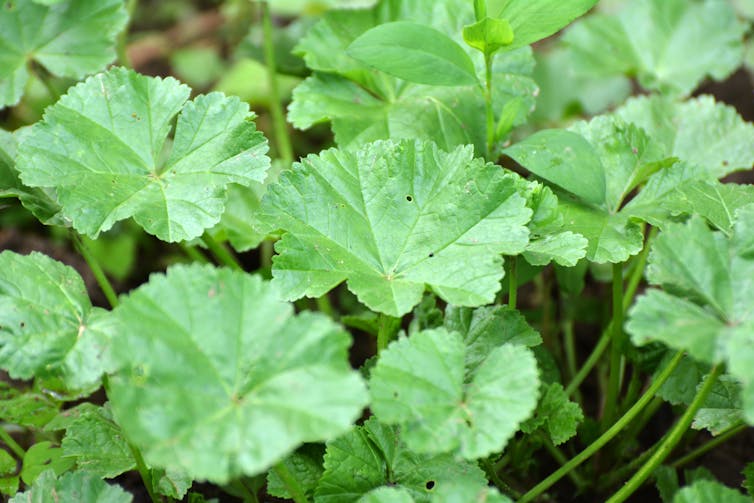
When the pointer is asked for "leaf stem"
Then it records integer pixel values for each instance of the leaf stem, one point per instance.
(282, 139)
(670, 441)
(512, 282)
(325, 306)
(121, 44)
(11, 443)
(488, 105)
(221, 253)
(99, 274)
(387, 327)
(194, 254)
(721, 438)
(616, 347)
(608, 435)
(290, 483)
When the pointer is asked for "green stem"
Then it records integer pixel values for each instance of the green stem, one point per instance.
(619, 474)
(249, 496)
(11, 443)
(290, 483)
(282, 139)
(221, 253)
(265, 254)
(46, 79)
(489, 468)
(512, 282)
(387, 326)
(122, 42)
(324, 306)
(562, 460)
(194, 254)
(99, 274)
(670, 441)
(608, 435)
(488, 105)
(722, 437)
(616, 347)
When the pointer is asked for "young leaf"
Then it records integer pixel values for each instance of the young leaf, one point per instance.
(598, 163)
(488, 35)
(699, 131)
(42, 457)
(392, 218)
(379, 457)
(671, 44)
(71, 39)
(101, 147)
(706, 306)
(533, 20)
(48, 326)
(81, 487)
(707, 491)
(209, 405)
(306, 466)
(556, 415)
(414, 52)
(420, 383)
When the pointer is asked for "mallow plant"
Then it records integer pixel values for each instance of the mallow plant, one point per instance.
(461, 231)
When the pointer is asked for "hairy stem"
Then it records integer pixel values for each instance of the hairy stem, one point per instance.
(670, 441)
(282, 139)
(619, 425)
(291, 484)
(221, 253)
(11, 443)
(99, 274)
(616, 347)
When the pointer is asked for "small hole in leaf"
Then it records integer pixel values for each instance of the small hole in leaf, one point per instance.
(409, 198)
(395, 394)
(725, 163)
(431, 254)
(429, 485)
(23, 324)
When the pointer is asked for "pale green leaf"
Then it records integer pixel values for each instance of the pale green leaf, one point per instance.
(101, 146)
(393, 218)
(70, 39)
(414, 52)
(488, 35)
(706, 308)
(374, 455)
(364, 106)
(386, 494)
(48, 326)
(556, 415)
(171, 483)
(421, 384)
(209, 406)
(564, 248)
(699, 131)
(707, 491)
(94, 441)
(533, 20)
(672, 45)
(305, 465)
(466, 490)
(485, 328)
(79, 487)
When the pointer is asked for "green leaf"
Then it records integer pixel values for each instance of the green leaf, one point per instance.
(8, 477)
(414, 52)
(374, 455)
(466, 490)
(485, 328)
(207, 405)
(533, 20)
(420, 383)
(386, 494)
(364, 106)
(706, 306)
(94, 441)
(680, 387)
(488, 35)
(26, 408)
(41, 457)
(556, 415)
(672, 45)
(101, 147)
(722, 409)
(81, 487)
(48, 326)
(392, 218)
(71, 39)
(306, 466)
(707, 491)
(171, 483)
(717, 202)
(748, 473)
(699, 131)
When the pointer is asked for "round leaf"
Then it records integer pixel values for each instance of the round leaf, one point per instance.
(102, 148)
(218, 378)
(420, 384)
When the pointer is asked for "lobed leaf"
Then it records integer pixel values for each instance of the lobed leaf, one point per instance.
(70, 39)
(81, 487)
(708, 491)
(393, 218)
(555, 414)
(421, 384)
(217, 378)
(101, 147)
(48, 326)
